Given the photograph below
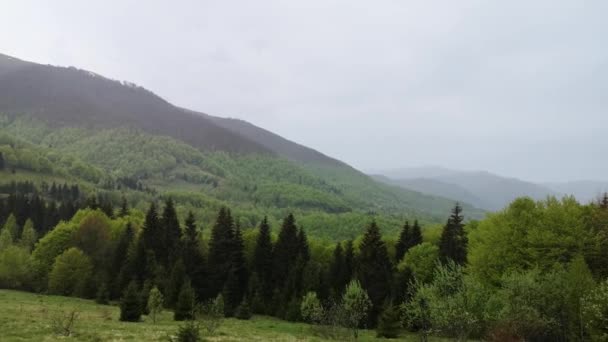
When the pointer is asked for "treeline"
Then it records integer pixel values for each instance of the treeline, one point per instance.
(535, 271)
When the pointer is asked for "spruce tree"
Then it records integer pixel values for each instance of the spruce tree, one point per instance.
(415, 235)
(185, 303)
(2, 162)
(150, 242)
(121, 260)
(374, 270)
(193, 259)
(175, 283)
(389, 322)
(172, 235)
(402, 243)
(453, 242)
(336, 272)
(220, 251)
(285, 251)
(236, 282)
(130, 305)
(124, 208)
(262, 261)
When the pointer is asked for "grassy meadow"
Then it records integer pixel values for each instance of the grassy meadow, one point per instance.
(29, 317)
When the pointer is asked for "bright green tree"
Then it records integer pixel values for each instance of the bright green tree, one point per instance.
(71, 273)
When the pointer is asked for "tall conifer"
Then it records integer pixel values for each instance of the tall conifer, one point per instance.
(262, 260)
(453, 242)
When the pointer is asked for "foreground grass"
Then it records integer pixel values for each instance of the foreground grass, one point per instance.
(28, 317)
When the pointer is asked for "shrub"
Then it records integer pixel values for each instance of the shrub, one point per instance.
(130, 305)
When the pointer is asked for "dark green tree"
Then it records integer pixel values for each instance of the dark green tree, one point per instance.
(175, 283)
(124, 208)
(389, 322)
(130, 306)
(374, 270)
(103, 295)
(453, 242)
(285, 251)
(172, 235)
(336, 272)
(193, 258)
(121, 260)
(262, 261)
(402, 243)
(2, 162)
(150, 241)
(185, 303)
(236, 282)
(220, 251)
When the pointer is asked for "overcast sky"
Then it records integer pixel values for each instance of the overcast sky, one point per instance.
(519, 88)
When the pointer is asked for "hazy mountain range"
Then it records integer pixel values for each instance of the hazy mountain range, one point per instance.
(483, 189)
(117, 130)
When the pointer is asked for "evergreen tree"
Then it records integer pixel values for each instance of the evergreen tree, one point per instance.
(124, 208)
(121, 259)
(130, 306)
(175, 283)
(150, 241)
(193, 259)
(220, 251)
(12, 227)
(236, 282)
(336, 272)
(172, 235)
(416, 235)
(402, 243)
(28, 236)
(103, 295)
(285, 251)
(244, 310)
(374, 270)
(155, 303)
(389, 322)
(262, 261)
(2, 162)
(185, 303)
(453, 242)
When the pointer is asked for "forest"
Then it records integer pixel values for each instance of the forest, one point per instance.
(535, 271)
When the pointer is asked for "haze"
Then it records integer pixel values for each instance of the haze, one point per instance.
(517, 88)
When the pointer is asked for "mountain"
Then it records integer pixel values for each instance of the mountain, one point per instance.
(482, 189)
(584, 191)
(70, 125)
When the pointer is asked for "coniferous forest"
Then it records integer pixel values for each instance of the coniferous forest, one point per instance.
(534, 271)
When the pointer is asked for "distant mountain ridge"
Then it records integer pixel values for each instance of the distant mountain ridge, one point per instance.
(480, 188)
(80, 126)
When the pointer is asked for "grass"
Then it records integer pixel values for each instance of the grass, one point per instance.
(28, 317)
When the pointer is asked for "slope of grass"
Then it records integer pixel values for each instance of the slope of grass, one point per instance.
(28, 317)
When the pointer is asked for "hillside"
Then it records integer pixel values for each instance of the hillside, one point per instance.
(482, 189)
(109, 135)
(585, 190)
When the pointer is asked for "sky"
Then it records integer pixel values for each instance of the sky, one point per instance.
(519, 88)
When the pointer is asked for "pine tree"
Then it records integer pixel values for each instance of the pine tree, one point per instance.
(415, 235)
(262, 261)
(336, 272)
(193, 259)
(124, 208)
(103, 295)
(244, 310)
(285, 251)
(172, 235)
(220, 251)
(402, 243)
(236, 282)
(155, 303)
(2, 162)
(150, 242)
(121, 259)
(453, 242)
(185, 303)
(389, 322)
(374, 270)
(175, 283)
(130, 306)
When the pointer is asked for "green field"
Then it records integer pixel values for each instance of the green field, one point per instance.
(28, 317)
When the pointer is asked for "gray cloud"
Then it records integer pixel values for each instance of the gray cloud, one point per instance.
(515, 87)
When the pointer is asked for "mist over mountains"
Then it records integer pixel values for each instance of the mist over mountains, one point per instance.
(484, 189)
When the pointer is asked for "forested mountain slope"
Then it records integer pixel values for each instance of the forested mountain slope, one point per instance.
(118, 138)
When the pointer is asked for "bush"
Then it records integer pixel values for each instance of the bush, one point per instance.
(311, 309)
(212, 314)
(189, 332)
(389, 322)
(130, 305)
(103, 295)
(185, 303)
(71, 273)
(243, 311)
